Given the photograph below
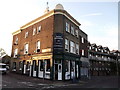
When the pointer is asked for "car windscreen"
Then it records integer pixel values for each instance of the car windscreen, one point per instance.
(3, 66)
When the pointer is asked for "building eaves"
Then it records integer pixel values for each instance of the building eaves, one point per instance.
(50, 13)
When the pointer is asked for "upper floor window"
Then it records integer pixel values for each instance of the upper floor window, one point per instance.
(39, 29)
(90, 47)
(26, 34)
(96, 49)
(16, 40)
(67, 27)
(77, 49)
(15, 53)
(34, 31)
(67, 45)
(26, 49)
(82, 40)
(99, 49)
(72, 47)
(38, 46)
(83, 52)
(72, 30)
(76, 33)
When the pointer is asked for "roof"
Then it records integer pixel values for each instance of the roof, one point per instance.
(46, 15)
(50, 13)
(100, 47)
(105, 48)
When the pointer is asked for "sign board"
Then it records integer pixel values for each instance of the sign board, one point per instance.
(46, 50)
(58, 43)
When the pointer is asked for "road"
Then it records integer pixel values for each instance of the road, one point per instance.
(12, 80)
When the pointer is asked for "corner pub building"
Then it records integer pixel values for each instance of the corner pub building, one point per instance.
(49, 46)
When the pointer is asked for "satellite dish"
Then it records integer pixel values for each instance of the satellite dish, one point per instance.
(59, 6)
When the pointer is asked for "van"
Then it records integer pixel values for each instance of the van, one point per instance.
(3, 69)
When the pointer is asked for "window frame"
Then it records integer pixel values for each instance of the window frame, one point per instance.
(82, 40)
(77, 33)
(67, 45)
(26, 34)
(77, 48)
(34, 31)
(38, 44)
(16, 40)
(39, 29)
(67, 28)
(72, 47)
(26, 48)
(83, 52)
(72, 30)
(15, 53)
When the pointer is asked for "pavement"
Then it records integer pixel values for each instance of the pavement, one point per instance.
(12, 80)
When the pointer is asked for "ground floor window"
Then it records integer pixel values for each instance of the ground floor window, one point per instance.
(47, 64)
(20, 65)
(84, 71)
(41, 65)
(34, 65)
(28, 65)
(72, 66)
(14, 65)
(67, 65)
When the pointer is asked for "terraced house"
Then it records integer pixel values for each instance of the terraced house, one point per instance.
(50, 47)
(103, 62)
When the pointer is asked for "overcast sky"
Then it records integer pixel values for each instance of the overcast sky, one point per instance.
(98, 19)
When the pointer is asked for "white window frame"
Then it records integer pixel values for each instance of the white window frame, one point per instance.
(34, 31)
(72, 30)
(26, 34)
(67, 45)
(37, 46)
(77, 49)
(76, 33)
(16, 40)
(67, 27)
(72, 47)
(83, 52)
(82, 40)
(15, 53)
(26, 47)
(39, 29)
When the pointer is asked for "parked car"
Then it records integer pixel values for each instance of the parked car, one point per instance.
(3, 69)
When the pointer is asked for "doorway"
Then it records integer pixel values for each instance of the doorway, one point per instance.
(58, 71)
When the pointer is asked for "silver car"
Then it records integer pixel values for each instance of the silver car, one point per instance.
(3, 68)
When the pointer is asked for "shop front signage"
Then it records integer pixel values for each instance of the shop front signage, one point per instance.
(58, 43)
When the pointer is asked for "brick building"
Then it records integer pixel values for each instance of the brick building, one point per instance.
(103, 61)
(51, 46)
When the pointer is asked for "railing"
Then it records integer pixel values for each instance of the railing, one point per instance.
(100, 58)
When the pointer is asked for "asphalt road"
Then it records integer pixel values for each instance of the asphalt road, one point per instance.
(14, 81)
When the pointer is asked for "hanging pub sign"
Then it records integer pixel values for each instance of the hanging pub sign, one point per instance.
(58, 43)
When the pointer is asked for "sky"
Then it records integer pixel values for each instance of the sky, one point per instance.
(99, 19)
